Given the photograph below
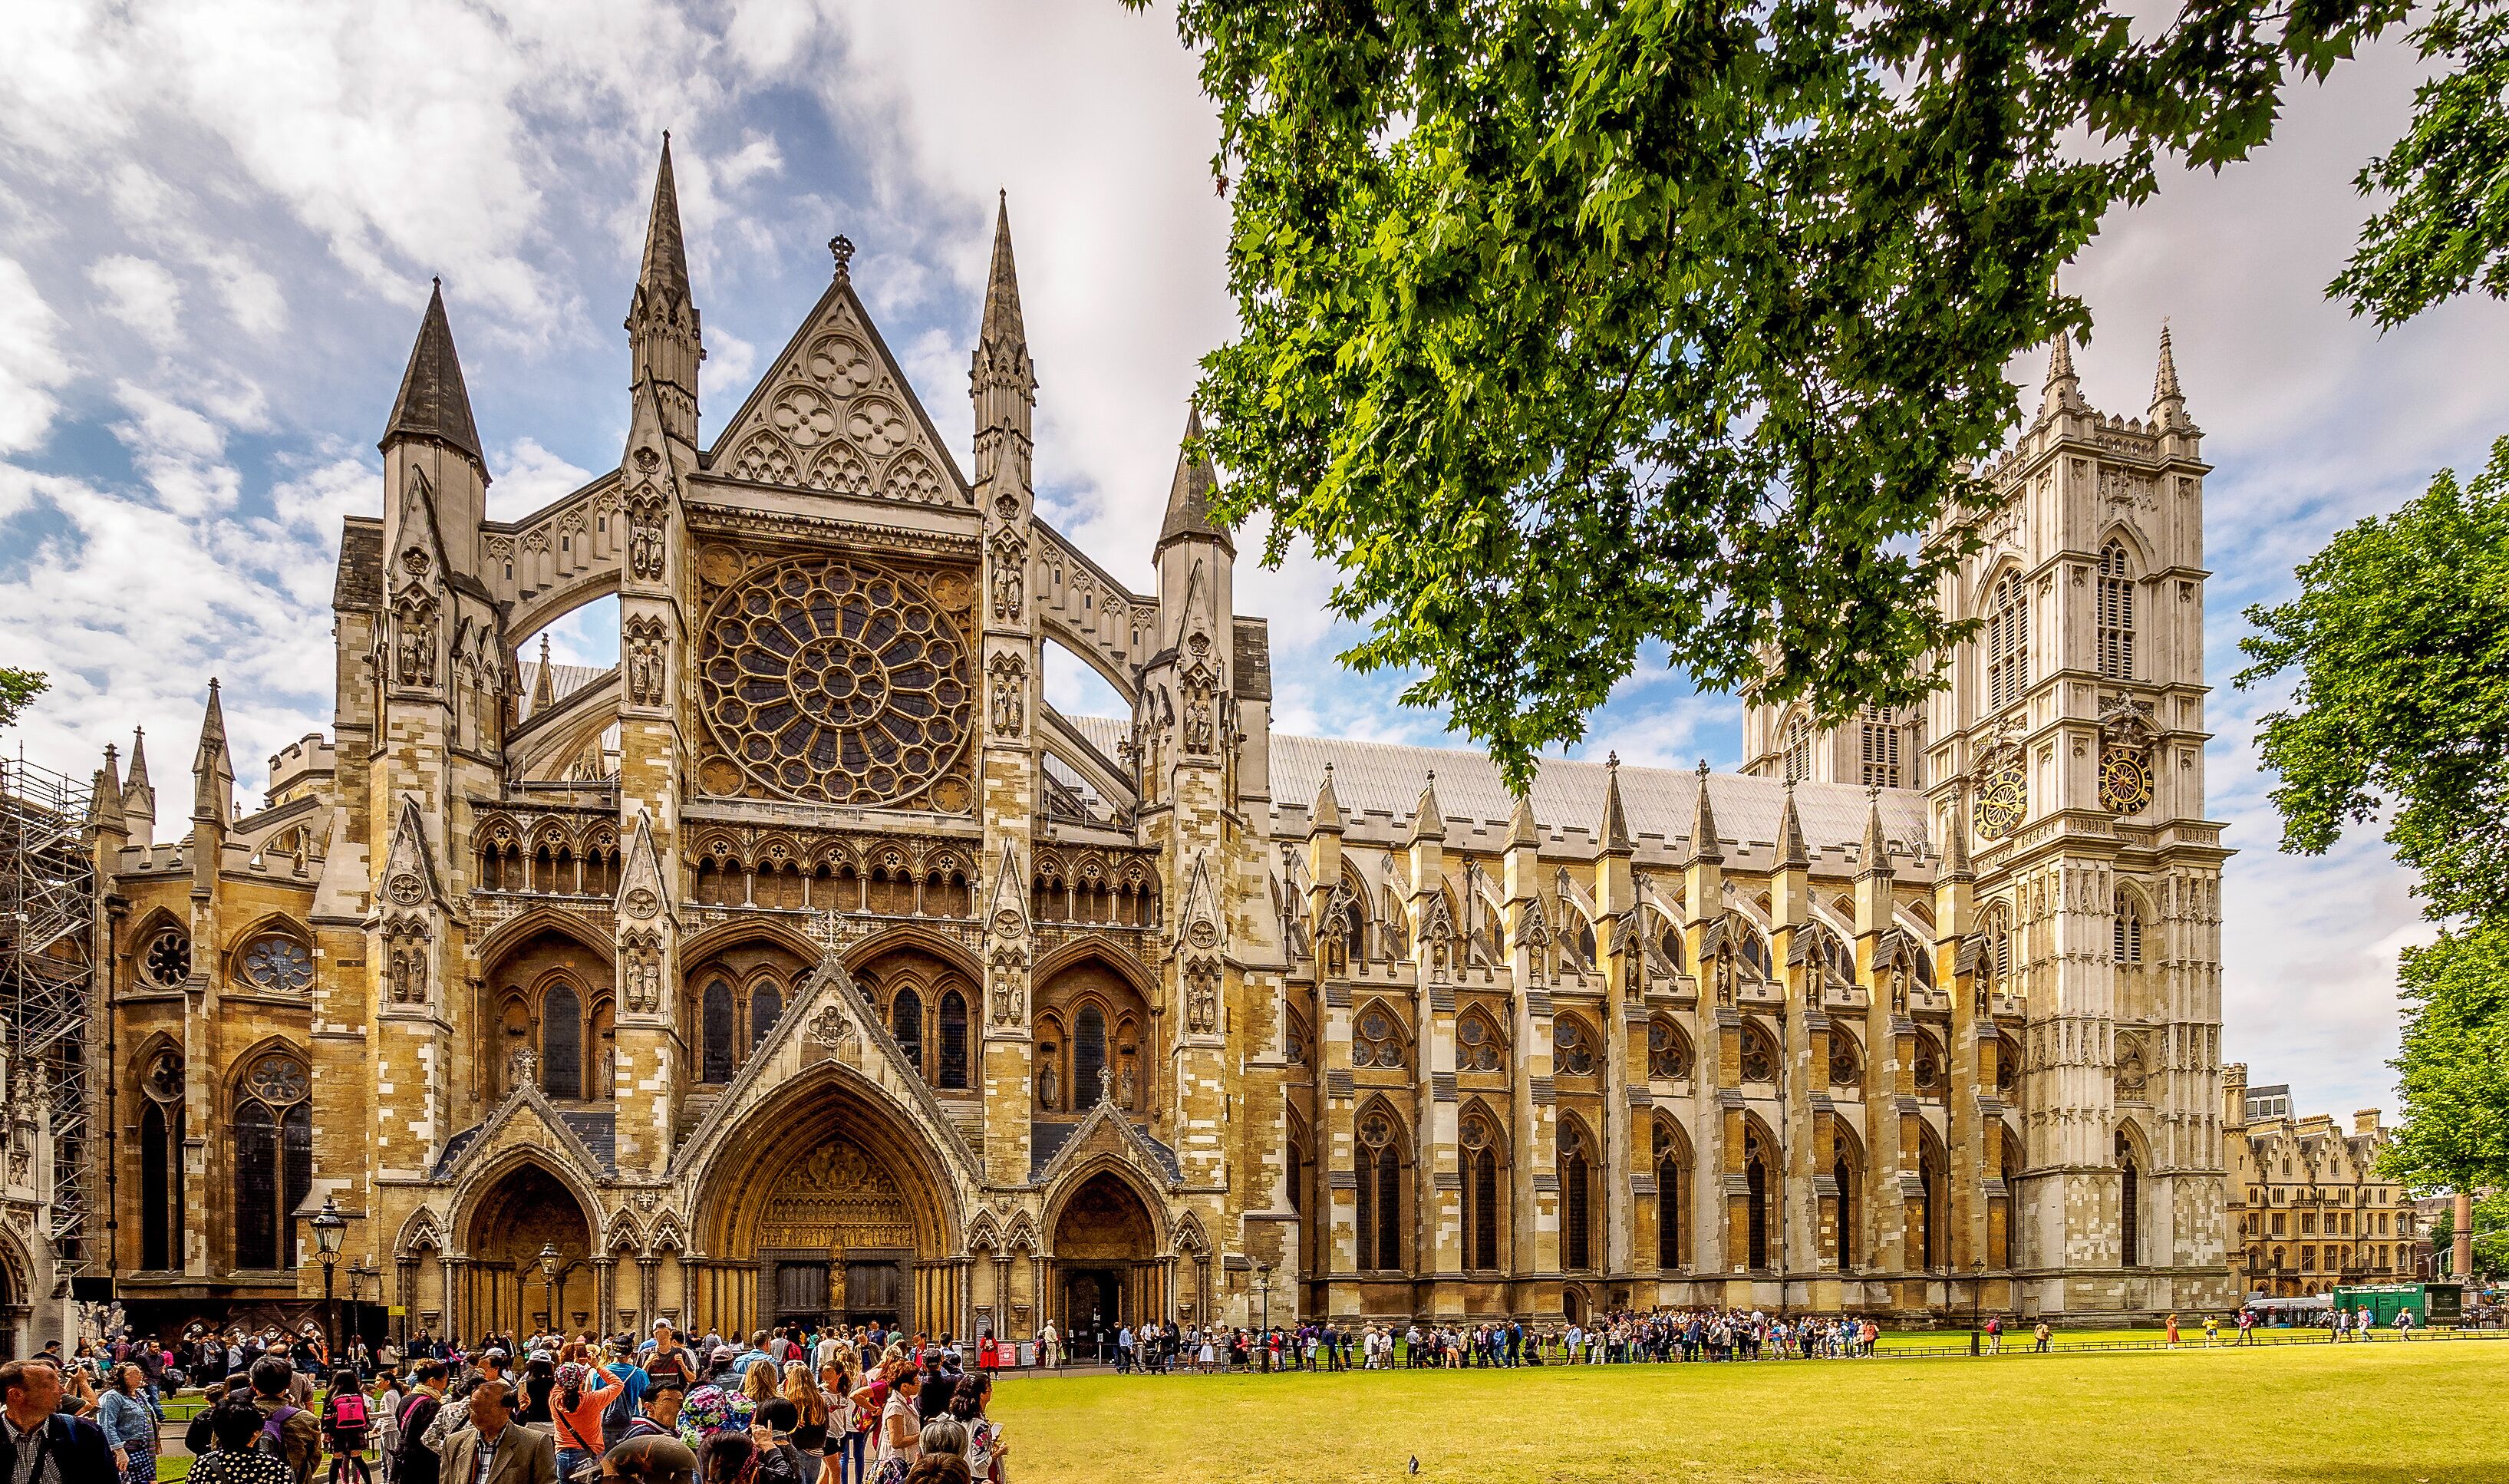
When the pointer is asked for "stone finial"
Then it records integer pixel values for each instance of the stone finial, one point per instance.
(1615, 831)
(1188, 513)
(841, 249)
(2168, 404)
(1326, 814)
(434, 404)
(1427, 823)
(2062, 391)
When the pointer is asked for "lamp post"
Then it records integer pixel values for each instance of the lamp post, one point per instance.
(328, 1227)
(1263, 1288)
(549, 1277)
(1976, 1297)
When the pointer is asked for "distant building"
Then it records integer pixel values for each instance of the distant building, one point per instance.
(2309, 1209)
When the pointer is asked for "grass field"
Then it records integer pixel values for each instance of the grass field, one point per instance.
(2361, 1414)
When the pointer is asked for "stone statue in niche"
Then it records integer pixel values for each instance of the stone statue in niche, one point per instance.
(1124, 1084)
(1049, 1088)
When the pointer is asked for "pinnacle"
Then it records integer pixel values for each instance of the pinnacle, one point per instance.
(1521, 829)
(1704, 845)
(1956, 867)
(1876, 847)
(1792, 853)
(1189, 495)
(434, 404)
(1616, 819)
(1428, 821)
(2168, 402)
(665, 273)
(1002, 325)
(1326, 814)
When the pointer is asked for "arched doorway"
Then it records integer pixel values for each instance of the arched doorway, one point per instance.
(524, 1213)
(825, 1207)
(1106, 1271)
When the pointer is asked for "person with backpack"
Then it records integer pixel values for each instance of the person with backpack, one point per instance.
(235, 1430)
(288, 1433)
(415, 1461)
(621, 1413)
(348, 1422)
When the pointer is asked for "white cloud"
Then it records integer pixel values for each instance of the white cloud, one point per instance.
(529, 476)
(32, 364)
(142, 294)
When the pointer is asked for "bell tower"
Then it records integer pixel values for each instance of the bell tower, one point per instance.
(2068, 744)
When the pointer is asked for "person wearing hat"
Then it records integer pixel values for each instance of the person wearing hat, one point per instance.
(575, 1407)
(633, 1382)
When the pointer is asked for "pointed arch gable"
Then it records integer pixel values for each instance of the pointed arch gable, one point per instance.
(1125, 1172)
(699, 946)
(513, 933)
(472, 1187)
(422, 1231)
(2138, 549)
(1086, 949)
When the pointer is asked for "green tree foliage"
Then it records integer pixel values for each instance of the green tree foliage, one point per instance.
(17, 688)
(2448, 228)
(2491, 1234)
(2455, 1065)
(2400, 639)
(1568, 328)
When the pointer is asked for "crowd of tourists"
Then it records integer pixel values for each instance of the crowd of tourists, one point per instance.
(857, 1405)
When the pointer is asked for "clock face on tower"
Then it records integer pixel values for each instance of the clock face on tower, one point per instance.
(2003, 798)
(2125, 780)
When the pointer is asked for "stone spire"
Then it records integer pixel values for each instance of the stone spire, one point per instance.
(1427, 823)
(212, 769)
(2062, 391)
(1703, 845)
(138, 797)
(544, 684)
(433, 405)
(1615, 831)
(1002, 378)
(1956, 867)
(1877, 848)
(664, 340)
(1792, 853)
(1326, 813)
(2168, 404)
(1189, 495)
(104, 806)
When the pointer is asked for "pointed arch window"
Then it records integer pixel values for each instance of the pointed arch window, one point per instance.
(2129, 1206)
(1759, 1053)
(1377, 1040)
(1880, 748)
(1841, 1169)
(954, 1039)
(1668, 1200)
(562, 1042)
(160, 1162)
(1798, 750)
(1476, 1044)
(273, 1160)
(906, 1022)
(1572, 1048)
(1380, 1194)
(1088, 1054)
(715, 1034)
(2125, 942)
(766, 1006)
(1576, 1199)
(1755, 1185)
(2116, 614)
(2008, 643)
(1668, 1050)
(1481, 1194)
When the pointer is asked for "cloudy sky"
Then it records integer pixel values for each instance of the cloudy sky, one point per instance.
(221, 218)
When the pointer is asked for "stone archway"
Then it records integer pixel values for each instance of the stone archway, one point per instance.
(500, 1285)
(825, 1206)
(1108, 1271)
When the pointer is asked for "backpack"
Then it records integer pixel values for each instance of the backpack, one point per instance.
(274, 1432)
(349, 1416)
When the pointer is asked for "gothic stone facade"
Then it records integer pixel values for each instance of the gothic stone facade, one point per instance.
(810, 963)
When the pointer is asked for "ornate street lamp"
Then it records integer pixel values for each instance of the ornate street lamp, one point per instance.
(328, 1227)
(548, 1276)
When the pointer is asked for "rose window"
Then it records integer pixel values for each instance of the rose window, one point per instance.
(1666, 1056)
(834, 681)
(277, 965)
(1475, 1046)
(168, 957)
(1378, 1041)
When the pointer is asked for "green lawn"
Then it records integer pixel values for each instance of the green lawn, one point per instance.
(2361, 1414)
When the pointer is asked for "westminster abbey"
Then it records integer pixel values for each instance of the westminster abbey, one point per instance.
(808, 964)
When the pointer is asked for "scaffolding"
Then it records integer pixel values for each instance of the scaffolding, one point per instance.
(48, 924)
